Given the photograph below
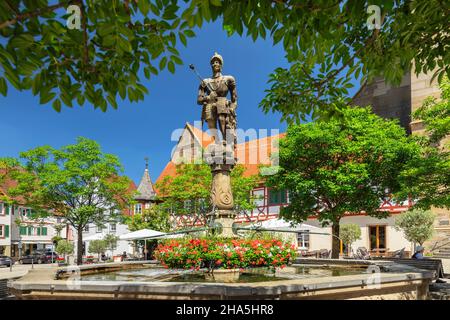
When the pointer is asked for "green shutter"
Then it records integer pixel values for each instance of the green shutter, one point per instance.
(44, 231)
(38, 231)
(283, 196)
(6, 231)
(29, 230)
(6, 209)
(23, 231)
(274, 197)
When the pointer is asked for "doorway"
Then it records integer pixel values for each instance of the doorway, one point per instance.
(377, 238)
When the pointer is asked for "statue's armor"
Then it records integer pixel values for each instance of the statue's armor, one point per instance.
(221, 85)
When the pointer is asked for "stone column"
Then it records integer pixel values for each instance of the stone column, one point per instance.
(221, 160)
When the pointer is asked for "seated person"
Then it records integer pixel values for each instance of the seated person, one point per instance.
(419, 253)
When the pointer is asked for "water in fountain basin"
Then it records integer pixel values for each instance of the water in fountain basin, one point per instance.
(246, 276)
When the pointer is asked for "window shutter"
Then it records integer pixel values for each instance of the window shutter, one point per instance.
(38, 231)
(23, 231)
(44, 231)
(6, 209)
(283, 196)
(6, 231)
(29, 230)
(274, 197)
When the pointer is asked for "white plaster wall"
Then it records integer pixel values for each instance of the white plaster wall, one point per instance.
(395, 240)
(6, 220)
(122, 245)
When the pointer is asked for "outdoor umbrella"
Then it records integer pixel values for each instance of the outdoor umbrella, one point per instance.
(141, 234)
(283, 225)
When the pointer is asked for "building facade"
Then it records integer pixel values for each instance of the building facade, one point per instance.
(21, 233)
(378, 235)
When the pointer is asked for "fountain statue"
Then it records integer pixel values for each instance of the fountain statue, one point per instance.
(219, 112)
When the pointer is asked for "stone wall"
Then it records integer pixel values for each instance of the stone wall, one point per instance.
(387, 101)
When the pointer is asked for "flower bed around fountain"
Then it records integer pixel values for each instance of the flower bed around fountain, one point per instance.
(224, 253)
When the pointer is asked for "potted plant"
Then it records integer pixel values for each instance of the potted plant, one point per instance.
(61, 261)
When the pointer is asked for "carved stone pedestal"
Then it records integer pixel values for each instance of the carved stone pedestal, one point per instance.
(227, 226)
(221, 159)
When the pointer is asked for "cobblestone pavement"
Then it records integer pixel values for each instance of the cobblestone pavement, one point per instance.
(19, 270)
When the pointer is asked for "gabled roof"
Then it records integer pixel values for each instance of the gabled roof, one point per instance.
(250, 154)
(203, 138)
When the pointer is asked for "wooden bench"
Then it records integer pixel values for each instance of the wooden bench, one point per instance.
(425, 264)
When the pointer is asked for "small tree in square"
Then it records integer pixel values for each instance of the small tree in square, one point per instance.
(349, 233)
(111, 242)
(65, 247)
(97, 246)
(79, 182)
(416, 224)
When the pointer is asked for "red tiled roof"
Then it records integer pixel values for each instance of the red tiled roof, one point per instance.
(5, 184)
(251, 154)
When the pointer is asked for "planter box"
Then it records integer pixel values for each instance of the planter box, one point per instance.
(117, 259)
(223, 275)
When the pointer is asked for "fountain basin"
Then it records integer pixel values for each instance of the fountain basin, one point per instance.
(410, 284)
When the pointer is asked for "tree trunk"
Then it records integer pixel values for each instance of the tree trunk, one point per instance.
(336, 243)
(80, 246)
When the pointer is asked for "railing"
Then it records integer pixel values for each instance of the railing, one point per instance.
(436, 246)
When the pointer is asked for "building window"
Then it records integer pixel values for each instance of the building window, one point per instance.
(113, 227)
(377, 238)
(344, 248)
(4, 231)
(1, 210)
(138, 208)
(99, 229)
(187, 205)
(303, 241)
(277, 197)
(86, 228)
(23, 231)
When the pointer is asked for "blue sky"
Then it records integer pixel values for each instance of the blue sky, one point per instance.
(142, 129)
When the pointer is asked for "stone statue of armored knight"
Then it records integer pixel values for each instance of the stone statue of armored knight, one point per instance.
(217, 109)
(220, 112)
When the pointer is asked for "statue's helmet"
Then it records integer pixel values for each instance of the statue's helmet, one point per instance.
(216, 56)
